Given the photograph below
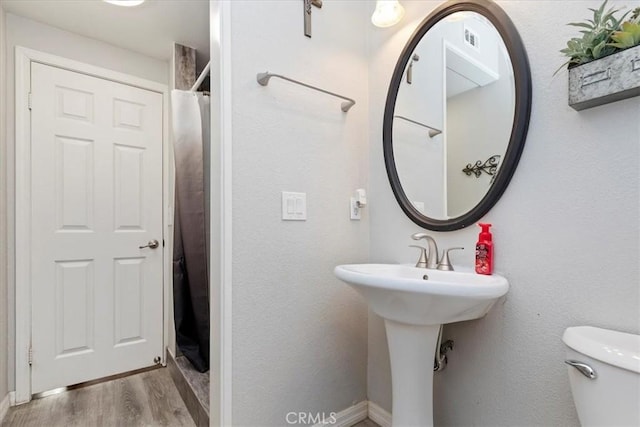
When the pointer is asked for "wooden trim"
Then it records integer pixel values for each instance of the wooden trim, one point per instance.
(221, 214)
(346, 418)
(24, 57)
(379, 415)
(356, 413)
(23, 213)
(167, 222)
(91, 70)
(4, 205)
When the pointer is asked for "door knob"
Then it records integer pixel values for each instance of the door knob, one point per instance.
(152, 244)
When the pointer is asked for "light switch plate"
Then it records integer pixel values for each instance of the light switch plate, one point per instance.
(355, 210)
(294, 206)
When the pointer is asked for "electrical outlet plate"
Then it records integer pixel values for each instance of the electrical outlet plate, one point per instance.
(354, 209)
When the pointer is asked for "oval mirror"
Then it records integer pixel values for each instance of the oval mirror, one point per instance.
(457, 114)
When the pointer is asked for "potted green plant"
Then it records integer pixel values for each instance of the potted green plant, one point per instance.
(604, 63)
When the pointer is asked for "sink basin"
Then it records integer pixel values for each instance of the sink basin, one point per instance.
(400, 293)
(413, 308)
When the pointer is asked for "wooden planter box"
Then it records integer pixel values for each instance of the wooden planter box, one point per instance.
(609, 79)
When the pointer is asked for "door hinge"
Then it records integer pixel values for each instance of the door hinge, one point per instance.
(29, 101)
(30, 356)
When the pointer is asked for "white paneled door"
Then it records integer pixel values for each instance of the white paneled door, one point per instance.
(96, 186)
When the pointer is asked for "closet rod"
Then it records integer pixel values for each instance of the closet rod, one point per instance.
(432, 131)
(201, 77)
(263, 79)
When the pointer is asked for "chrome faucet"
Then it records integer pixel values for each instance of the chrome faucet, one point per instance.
(432, 258)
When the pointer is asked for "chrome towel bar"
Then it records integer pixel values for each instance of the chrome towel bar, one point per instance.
(263, 79)
(432, 131)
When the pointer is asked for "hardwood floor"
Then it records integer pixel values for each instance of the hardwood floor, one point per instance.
(146, 399)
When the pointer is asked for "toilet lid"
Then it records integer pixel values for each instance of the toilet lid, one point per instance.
(612, 347)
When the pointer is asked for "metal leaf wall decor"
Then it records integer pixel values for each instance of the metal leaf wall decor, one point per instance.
(490, 167)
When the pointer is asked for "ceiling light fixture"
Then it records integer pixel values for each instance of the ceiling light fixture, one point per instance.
(126, 3)
(387, 13)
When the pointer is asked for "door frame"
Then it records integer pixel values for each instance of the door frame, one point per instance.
(221, 257)
(23, 59)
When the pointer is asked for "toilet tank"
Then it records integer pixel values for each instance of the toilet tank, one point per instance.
(613, 397)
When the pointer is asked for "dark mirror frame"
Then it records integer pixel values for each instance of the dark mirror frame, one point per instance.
(522, 112)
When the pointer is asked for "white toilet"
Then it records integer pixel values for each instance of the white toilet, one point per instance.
(604, 372)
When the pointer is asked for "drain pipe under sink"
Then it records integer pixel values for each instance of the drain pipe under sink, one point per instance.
(442, 348)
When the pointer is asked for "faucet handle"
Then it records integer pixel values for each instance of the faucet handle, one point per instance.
(422, 262)
(445, 263)
(432, 259)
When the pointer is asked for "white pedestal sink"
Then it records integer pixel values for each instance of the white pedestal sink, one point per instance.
(413, 308)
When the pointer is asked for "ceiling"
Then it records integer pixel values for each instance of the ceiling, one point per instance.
(150, 29)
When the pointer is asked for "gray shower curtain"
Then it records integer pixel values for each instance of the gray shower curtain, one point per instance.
(191, 131)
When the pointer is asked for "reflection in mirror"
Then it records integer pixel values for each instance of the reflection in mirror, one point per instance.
(455, 106)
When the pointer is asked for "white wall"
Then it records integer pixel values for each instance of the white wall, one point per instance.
(4, 384)
(30, 34)
(299, 334)
(565, 231)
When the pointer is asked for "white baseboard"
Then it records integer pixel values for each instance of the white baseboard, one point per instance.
(379, 415)
(357, 413)
(4, 406)
(352, 415)
(348, 417)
